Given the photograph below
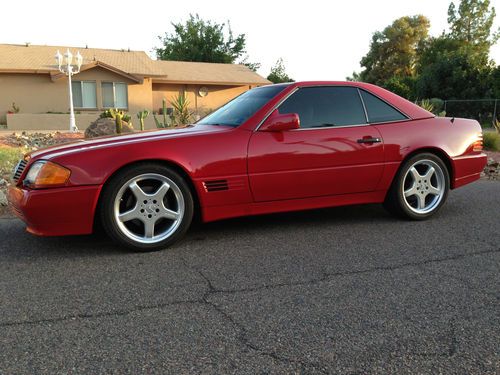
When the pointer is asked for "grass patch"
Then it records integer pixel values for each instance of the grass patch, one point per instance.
(491, 141)
(9, 157)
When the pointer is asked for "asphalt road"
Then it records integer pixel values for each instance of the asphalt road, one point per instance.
(347, 290)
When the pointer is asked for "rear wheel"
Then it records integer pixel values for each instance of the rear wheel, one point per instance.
(147, 207)
(420, 187)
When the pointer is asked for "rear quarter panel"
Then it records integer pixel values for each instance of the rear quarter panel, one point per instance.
(454, 139)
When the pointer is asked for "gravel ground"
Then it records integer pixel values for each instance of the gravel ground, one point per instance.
(349, 290)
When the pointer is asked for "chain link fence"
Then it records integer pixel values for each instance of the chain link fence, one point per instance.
(485, 111)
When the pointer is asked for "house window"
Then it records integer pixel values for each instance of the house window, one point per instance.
(114, 95)
(84, 94)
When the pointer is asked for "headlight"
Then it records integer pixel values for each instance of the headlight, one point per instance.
(44, 174)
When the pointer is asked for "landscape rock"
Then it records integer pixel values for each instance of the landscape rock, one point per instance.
(492, 170)
(105, 126)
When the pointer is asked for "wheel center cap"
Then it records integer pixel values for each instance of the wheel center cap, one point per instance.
(150, 208)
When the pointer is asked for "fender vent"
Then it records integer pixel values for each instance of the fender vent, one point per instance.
(19, 169)
(216, 185)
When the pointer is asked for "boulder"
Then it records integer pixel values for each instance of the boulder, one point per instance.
(105, 126)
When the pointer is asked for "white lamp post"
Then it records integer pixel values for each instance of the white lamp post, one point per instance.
(66, 67)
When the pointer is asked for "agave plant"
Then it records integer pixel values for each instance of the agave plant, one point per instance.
(427, 105)
(182, 115)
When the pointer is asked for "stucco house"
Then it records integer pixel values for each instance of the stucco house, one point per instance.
(109, 78)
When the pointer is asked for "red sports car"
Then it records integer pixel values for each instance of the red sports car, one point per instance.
(275, 148)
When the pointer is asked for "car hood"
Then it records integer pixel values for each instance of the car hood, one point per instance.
(114, 140)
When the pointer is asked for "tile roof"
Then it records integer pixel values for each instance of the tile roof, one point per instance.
(40, 59)
(200, 72)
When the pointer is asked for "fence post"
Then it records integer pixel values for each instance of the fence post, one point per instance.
(495, 114)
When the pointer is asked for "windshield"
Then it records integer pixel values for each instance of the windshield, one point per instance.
(238, 110)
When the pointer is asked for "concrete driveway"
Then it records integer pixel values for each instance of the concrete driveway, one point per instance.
(347, 290)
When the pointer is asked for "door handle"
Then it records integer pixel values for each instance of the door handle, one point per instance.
(369, 140)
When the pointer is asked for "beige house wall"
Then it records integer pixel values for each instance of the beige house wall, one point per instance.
(164, 90)
(217, 95)
(44, 121)
(140, 97)
(139, 94)
(37, 94)
(47, 121)
(33, 93)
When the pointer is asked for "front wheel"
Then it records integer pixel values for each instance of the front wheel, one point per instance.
(420, 187)
(147, 207)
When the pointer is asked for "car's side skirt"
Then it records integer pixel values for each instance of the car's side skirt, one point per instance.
(228, 211)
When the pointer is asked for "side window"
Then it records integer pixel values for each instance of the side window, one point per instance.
(378, 110)
(325, 106)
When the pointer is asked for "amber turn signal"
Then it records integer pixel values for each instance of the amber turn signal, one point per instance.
(44, 174)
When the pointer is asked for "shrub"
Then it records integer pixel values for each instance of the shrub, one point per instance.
(491, 141)
(182, 115)
(9, 157)
(427, 105)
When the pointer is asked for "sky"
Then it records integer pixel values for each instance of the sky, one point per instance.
(316, 39)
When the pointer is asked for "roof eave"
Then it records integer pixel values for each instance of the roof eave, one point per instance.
(220, 83)
(55, 74)
(26, 71)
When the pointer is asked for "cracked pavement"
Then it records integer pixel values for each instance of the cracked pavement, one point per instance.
(348, 290)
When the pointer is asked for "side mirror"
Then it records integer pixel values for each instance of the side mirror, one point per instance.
(280, 122)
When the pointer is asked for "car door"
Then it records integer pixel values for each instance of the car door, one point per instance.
(335, 151)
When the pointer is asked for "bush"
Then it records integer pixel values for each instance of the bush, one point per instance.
(9, 157)
(491, 141)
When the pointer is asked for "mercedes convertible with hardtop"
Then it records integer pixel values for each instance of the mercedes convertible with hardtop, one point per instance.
(276, 148)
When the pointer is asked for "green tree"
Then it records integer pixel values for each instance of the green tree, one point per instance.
(495, 79)
(250, 65)
(471, 25)
(202, 41)
(403, 86)
(454, 76)
(278, 73)
(435, 49)
(456, 65)
(393, 51)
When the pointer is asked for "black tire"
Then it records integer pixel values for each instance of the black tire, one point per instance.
(395, 201)
(120, 234)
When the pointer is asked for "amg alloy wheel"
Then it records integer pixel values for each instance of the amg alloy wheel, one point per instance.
(420, 188)
(147, 207)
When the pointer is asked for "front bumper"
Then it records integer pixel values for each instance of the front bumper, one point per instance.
(55, 212)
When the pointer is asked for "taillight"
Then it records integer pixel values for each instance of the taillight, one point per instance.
(478, 144)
